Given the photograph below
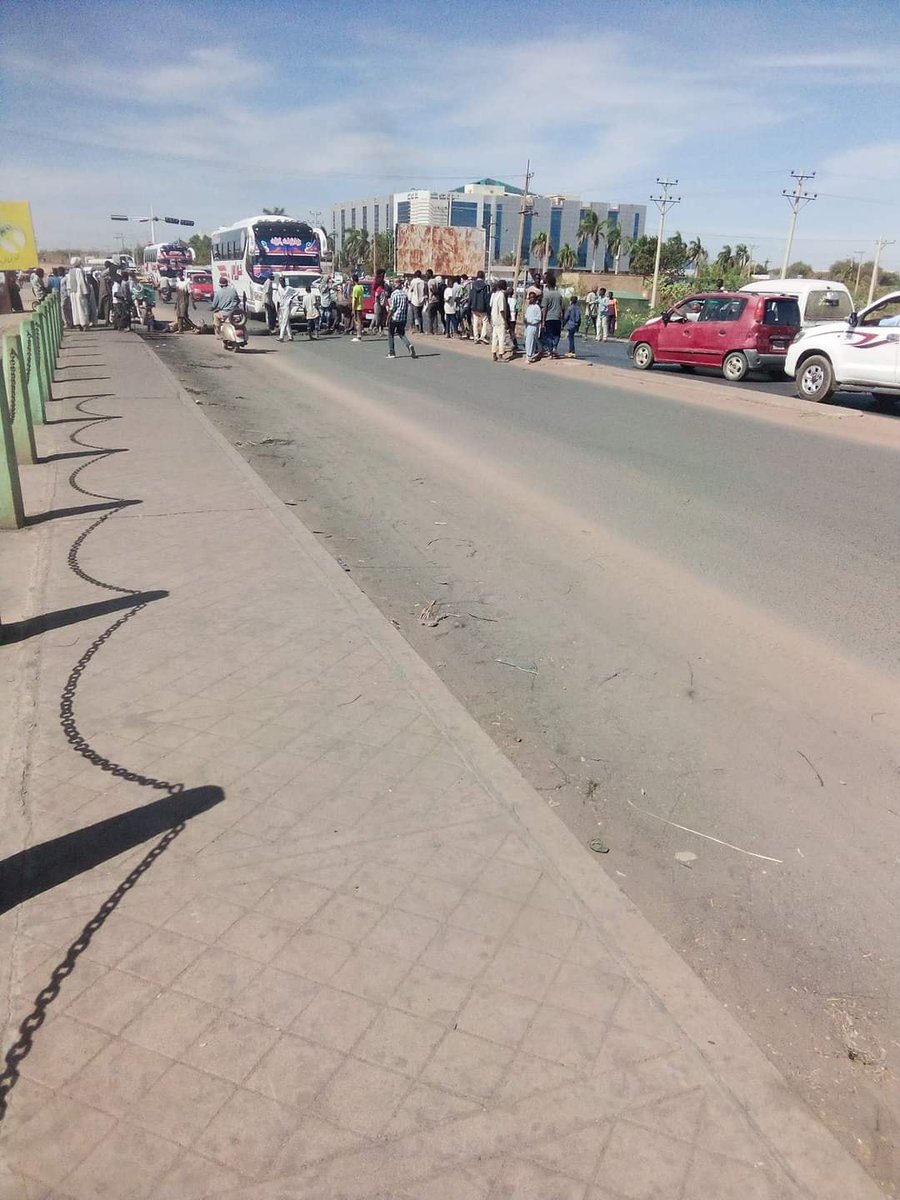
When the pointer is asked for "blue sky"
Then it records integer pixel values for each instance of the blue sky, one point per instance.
(214, 110)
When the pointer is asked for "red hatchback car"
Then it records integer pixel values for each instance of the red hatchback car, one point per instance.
(201, 283)
(736, 332)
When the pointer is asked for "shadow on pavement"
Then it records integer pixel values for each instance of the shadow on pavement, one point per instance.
(77, 510)
(19, 631)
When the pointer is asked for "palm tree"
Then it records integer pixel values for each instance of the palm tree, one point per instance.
(697, 256)
(541, 244)
(725, 259)
(356, 248)
(741, 256)
(592, 229)
(615, 241)
(273, 212)
(567, 258)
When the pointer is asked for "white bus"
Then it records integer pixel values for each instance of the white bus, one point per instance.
(249, 251)
(164, 262)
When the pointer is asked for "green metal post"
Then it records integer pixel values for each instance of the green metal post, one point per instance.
(17, 391)
(12, 510)
(35, 385)
(48, 355)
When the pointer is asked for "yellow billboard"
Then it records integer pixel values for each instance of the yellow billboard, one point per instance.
(18, 249)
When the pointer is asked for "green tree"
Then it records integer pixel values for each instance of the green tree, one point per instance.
(592, 229)
(541, 244)
(567, 258)
(356, 249)
(274, 212)
(617, 243)
(741, 256)
(673, 259)
(384, 251)
(697, 255)
(508, 260)
(725, 258)
(801, 270)
(200, 244)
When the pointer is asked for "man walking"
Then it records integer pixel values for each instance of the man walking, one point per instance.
(358, 301)
(310, 303)
(416, 292)
(399, 311)
(269, 303)
(183, 303)
(552, 308)
(285, 300)
(499, 321)
(480, 300)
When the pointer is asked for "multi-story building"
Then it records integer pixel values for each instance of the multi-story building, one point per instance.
(494, 206)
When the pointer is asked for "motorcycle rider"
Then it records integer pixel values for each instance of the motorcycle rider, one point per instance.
(225, 301)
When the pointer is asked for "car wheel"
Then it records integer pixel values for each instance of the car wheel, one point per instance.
(815, 379)
(735, 366)
(643, 356)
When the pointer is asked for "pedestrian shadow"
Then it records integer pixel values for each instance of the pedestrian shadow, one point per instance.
(20, 631)
(78, 510)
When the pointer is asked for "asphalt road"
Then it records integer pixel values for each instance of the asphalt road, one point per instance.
(679, 619)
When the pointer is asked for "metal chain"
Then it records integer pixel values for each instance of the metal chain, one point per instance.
(29, 337)
(13, 374)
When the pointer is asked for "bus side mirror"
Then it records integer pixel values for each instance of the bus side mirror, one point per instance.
(853, 320)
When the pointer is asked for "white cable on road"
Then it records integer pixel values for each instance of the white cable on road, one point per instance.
(697, 833)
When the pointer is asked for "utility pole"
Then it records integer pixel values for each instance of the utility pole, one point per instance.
(663, 203)
(522, 211)
(797, 199)
(859, 265)
(873, 282)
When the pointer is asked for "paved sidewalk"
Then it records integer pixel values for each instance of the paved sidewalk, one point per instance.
(292, 926)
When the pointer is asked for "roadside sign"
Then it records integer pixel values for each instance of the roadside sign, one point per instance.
(18, 248)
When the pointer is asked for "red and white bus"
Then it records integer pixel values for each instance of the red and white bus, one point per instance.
(250, 251)
(164, 262)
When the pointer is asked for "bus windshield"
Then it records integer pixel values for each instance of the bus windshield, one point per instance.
(284, 246)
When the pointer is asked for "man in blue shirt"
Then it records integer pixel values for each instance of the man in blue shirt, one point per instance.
(225, 301)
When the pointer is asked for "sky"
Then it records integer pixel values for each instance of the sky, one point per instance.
(212, 111)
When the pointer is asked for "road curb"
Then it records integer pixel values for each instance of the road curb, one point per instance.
(810, 1155)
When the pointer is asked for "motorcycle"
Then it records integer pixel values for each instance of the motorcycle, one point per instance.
(233, 331)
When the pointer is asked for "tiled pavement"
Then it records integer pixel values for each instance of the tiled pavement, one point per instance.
(372, 963)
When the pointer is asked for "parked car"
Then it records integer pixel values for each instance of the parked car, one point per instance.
(201, 283)
(861, 354)
(820, 300)
(732, 331)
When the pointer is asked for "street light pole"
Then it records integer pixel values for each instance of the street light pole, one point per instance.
(523, 209)
(797, 198)
(859, 266)
(663, 203)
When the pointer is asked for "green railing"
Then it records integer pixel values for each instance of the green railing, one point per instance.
(26, 384)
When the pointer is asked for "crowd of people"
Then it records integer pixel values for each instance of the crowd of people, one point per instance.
(107, 295)
(452, 306)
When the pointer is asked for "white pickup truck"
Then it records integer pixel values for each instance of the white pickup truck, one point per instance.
(861, 354)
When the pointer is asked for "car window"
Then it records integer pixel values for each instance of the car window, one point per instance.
(782, 312)
(887, 314)
(827, 306)
(688, 310)
(726, 309)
